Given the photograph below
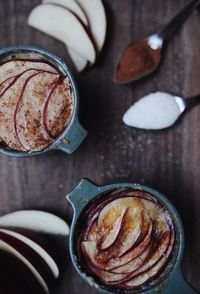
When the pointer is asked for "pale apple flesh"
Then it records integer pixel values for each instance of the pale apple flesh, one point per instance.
(27, 242)
(63, 25)
(80, 63)
(4, 246)
(71, 5)
(36, 221)
(95, 12)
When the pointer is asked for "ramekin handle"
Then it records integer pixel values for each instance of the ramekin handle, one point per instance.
(178, 284)
(73, 138)
(82, 194)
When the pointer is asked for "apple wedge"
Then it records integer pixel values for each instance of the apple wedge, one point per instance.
(27, 117)
(114, 231)
(16, 277)
(71, 5)
(58, 108)
(8, 104)
(4, 246)
(27, 242)
(35, 220)
(95, 12)
(134, 264)
(80, 63)
(153, 271)
(63, 25)
(19, 66)
(132, 254)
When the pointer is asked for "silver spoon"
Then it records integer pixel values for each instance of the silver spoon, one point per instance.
(142, 56)
(158, 110)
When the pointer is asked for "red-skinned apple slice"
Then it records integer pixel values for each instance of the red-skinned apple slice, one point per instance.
(25, 242)
(95, 13)
(116, 279)
(134, 253)
(58, 108)
(159, 251)
(8, 103)
(71, 5)
(105, 235)
(131, 227)
(134, 264)
(28, 118)
(99, 204)
(18, 66)
(8, 248)
(63, 25)
(16, 278)
(114, 232)
(35, 220)
(34, 255)
(154, 271)
(80, 63)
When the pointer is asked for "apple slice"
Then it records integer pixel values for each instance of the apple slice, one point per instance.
(153, 272)
(71, 5)
(27, 242)
(35, 220)
(15, 67)
(16, 278)
(8, 104)
(134, 264)
(158, 252)
(7, 248)
(114, 232)
(28, 118)
(134, 253)
(63, 25)
(95, 13)
(80, 63)
(58, 108)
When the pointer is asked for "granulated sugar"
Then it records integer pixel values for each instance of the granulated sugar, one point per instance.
(155, 111)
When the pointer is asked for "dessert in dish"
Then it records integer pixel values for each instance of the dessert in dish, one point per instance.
(127, 239)
(36, 103)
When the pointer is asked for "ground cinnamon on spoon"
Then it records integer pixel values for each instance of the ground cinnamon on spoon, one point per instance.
(137, 60)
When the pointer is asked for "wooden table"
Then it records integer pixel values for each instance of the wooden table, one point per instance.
(167, 160)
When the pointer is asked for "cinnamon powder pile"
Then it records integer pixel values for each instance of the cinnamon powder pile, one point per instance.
(138, 60)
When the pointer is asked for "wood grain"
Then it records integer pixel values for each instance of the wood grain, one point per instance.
(167, 160)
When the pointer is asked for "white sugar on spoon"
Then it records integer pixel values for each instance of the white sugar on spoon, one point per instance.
(157, 111)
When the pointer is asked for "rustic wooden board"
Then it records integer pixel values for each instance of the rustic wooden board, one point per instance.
(168, 160)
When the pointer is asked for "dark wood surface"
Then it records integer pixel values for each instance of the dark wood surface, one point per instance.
(168, 160)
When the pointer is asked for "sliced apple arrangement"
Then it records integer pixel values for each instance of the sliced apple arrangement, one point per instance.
(35, 106)
(17, 239)
(79, 24)
(128, 239)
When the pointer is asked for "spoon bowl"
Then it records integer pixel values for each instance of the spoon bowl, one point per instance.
(142, 56)
(158, 111)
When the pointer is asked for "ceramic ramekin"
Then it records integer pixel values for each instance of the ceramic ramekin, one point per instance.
(74, 133)
(171, 280)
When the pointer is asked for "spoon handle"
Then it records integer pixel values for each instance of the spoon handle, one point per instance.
(190, 102)
(178, 20)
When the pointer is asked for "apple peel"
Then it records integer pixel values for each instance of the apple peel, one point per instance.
(35, 220)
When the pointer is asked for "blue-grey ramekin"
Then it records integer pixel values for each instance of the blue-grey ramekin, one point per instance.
(170, 281)
(74, 133)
